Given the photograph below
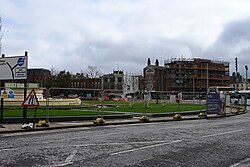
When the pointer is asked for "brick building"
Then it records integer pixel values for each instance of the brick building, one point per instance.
(185, 75)
(196, 74)
(154, 77)
(39, 75)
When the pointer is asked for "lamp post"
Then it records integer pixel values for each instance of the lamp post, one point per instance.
(193, 89)
(207, 79)
(246, 77)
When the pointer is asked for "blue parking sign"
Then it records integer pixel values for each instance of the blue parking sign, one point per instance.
(11, 94)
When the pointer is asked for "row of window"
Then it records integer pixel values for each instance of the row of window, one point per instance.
(84, 85)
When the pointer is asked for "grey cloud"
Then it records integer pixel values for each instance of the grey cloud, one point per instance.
(236, 31)
(131, 55)
(111, 34)
(233, 42)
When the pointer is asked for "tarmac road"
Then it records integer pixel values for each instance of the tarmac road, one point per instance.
(219, 142)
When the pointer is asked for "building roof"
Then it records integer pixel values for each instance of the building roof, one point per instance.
(168, 61)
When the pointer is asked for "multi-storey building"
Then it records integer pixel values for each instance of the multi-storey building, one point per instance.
(85, 87)
(113, 81)
(238, 82)
(154, 77)
(132, 85)
(121, 84)
(84, 82)
(197, 74)
(39, 75)
(185, 75)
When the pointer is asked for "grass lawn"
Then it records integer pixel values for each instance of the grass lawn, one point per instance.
(52, 112)
(137, 107)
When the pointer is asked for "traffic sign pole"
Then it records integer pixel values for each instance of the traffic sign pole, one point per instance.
(1, 122)
(24, 95)
(25, 107)
(34, 123)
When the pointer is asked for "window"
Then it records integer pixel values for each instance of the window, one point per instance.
(119, 79)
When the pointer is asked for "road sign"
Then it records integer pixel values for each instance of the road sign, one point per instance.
(4, 94)
(13, 67)
(11, 93)
(213, 103)
(31, 100)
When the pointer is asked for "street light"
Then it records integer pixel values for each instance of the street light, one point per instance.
(246, 77)
(207, 78)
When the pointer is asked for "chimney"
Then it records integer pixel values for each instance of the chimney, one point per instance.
(156, 62)
(149, 62)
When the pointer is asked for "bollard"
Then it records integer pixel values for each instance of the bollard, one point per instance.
(144, 119)
(99, 121)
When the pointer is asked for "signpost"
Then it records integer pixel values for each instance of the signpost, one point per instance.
(1, 116)
(31, 100)
(213, 103)
(13, 68)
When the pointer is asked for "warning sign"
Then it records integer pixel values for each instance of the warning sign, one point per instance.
(4, 94)
(31, 100)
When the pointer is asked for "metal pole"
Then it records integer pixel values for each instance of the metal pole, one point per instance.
(24, 94)
(247, 80)
(246, 77)
(193, 89)
(207, 77)
(2, 88)
(47, 105)
(1, 123)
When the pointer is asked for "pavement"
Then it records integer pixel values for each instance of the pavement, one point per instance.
(16, 127)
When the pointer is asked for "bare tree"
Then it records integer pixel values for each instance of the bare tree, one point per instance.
(93, 72)
(54, 71)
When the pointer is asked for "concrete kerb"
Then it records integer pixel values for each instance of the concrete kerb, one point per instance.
(69, 118)
(117, 123)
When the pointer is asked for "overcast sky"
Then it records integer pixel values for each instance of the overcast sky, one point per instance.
(122, 34)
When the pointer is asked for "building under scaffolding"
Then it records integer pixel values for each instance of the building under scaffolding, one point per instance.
(186, 75)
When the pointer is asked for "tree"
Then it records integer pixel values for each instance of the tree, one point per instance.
(54, 71)
(63, 79)
(93, 72)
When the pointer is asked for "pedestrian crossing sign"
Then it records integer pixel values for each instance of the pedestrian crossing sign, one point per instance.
(31, 100)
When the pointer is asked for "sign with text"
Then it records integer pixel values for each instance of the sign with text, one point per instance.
(13, 68)
(213, 103)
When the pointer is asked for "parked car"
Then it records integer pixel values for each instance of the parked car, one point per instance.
(72, 96)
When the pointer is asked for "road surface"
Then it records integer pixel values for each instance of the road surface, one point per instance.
(220, 142)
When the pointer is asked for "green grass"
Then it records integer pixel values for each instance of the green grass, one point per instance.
(137, 107)
(52, 112)
(153, 107)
